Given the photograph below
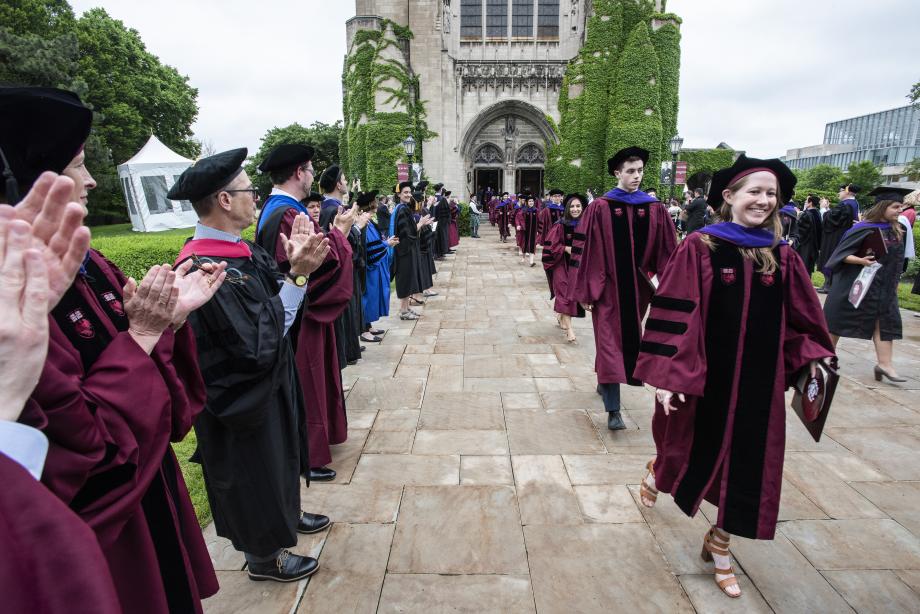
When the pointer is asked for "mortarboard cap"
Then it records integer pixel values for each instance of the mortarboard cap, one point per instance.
(286, 156)
(402, 186)
(41, 129)
(366, 199)
(422, 185)
(314, 197)
(851, 187)
(887, 192)
(581, 197)
(556, 192)
(208, 175)
(437, 186)
(621, 156)
(743, 166)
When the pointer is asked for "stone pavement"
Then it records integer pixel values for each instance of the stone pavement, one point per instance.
(479, 476)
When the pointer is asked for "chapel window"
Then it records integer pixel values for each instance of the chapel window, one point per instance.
(497, 18)
(471, 19)
(548, 19)
(522, 18)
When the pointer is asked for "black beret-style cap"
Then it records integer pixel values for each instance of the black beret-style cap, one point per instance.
(329, 178)
(208, 175)
(437, 186)
(446, 193)
(743, 166)
(889, 193)
(366, 199)
(851, 188)
(556, 192)
(314, 197)
(421, 186)
(285, 156)
(41, 129)
(403, 185)
(621, 156)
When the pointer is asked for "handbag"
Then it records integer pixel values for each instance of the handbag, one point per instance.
(814, 394)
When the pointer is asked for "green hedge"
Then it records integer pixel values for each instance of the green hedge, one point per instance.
(706, 160)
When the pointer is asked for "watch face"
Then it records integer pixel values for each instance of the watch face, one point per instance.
(301, 280)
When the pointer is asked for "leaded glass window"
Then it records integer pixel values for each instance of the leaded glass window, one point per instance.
(497, 18)
(522, 18)
(548, 19)
(471, 19)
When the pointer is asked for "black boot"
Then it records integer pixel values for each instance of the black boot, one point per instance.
(288, 567)
(615, 421)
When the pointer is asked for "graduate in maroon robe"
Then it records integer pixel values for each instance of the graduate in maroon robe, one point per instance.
(504, 216)
(733, 323)
(623, 239)
(120, 383)
(454, 233)
(51, 561)
(526, 222)
(328, 294)
(557, 260)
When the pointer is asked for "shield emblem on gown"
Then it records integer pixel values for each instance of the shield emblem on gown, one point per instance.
(83, 326)
(114, 303)
(728, 275)
(641, 212)
(618, 212)
(767, 279)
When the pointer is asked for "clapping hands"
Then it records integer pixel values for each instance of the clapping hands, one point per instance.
(306, 249)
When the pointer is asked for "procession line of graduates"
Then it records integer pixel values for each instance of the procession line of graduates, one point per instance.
(734, 320)
(232, 340)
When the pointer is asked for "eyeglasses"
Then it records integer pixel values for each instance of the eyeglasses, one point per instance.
(234, 276)
(252, 190)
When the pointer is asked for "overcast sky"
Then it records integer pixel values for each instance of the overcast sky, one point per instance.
(761, 75)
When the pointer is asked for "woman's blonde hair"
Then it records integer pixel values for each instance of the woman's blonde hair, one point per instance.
(876, 213)
(763, 257)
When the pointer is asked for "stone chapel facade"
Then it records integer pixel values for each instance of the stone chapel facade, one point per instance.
(489, 73)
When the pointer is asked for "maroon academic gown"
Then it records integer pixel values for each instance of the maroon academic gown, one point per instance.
(613, 241)
(526, 220)
(504, 216)
(454, 234)
(492, 204)
(732, 340)
(558, 263)
(110, 411)
(328, 293)
(50, 562)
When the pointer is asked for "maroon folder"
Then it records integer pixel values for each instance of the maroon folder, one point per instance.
(813, 395)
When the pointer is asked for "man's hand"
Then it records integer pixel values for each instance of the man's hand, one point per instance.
(423, 221)
(362, 219)
(345, 219)
(306, 250)
(150, 305)
(57, 229)
(393, 241)
(24, 302)
(196, 288)
(666, 398)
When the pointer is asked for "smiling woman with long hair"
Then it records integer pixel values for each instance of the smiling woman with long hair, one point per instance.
(733, 322)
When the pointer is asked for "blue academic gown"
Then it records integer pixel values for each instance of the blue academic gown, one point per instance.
(376, 298)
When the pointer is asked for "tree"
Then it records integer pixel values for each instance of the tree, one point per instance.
(822, 178)
(324, 138)
(912, 170)
(45, 18)
(866, 175)
(914, 95)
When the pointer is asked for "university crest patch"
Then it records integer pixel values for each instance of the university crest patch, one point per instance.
(83, 326)
(728, 275)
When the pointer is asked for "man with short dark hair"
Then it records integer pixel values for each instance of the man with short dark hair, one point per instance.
(250, 436)
(695, 213)
(615, 283)
(331, 287)
(441, 214)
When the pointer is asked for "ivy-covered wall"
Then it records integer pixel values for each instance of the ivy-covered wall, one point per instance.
(371, 142)
(707, 160)
(621, 90)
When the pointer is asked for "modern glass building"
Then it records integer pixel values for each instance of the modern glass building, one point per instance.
(889, 139)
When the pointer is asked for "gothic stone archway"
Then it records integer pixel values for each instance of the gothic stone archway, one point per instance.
(510, 137)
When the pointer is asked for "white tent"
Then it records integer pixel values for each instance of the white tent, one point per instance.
(145, 179)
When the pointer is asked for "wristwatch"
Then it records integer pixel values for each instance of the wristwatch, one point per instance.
(298, 280)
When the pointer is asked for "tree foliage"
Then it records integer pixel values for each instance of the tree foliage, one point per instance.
(912, 170)
(914, 95)
(46, 18)
(865, 174)
(323, 138)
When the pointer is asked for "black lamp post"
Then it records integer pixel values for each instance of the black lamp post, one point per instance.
(409, 146)
(676, 143)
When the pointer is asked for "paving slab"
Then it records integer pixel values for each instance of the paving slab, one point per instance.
(706, 596)
(538, 431)
(607, 503)
(461, 441)
(874, 592)
(400, 469)
(458, 530)
(544, 492)
(900, 500)
(488, 470)
(240, 595)
(356, 503)
(855, 544)
(468, 594)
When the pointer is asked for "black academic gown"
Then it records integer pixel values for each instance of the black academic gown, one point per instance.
(881, 301)
(251, 438)
(835, 223)
(407, 260)
(346, 329)
(383, 221)
(808, 238)
(426, 244)
(442, 234)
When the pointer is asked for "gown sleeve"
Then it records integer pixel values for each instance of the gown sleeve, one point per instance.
(672, 354)
(554, 247)
(806, 337)
(589, 257)
(331, 284)
(406, 231)
(665, 241)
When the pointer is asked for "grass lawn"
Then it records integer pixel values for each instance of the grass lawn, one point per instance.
(906, 300)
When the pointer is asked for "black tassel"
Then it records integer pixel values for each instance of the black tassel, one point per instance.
(11, 185)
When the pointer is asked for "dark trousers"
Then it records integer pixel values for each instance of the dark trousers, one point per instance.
(611, 395)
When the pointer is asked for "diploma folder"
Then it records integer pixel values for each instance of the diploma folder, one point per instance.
(813, 395)
(874, 244)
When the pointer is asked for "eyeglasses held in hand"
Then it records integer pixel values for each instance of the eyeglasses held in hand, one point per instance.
(234, 276)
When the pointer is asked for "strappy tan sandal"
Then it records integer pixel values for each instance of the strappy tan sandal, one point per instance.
(713, 544)
(646, 491)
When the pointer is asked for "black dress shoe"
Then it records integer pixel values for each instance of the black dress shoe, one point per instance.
(351, 363)
(312, 523)
(322, 474)
(288, 567)
(615, 421)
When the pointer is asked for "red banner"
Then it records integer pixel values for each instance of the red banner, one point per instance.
(681, 176)
(402, 172)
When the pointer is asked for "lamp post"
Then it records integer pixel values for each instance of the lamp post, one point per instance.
(409, 146)
(676, 143)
